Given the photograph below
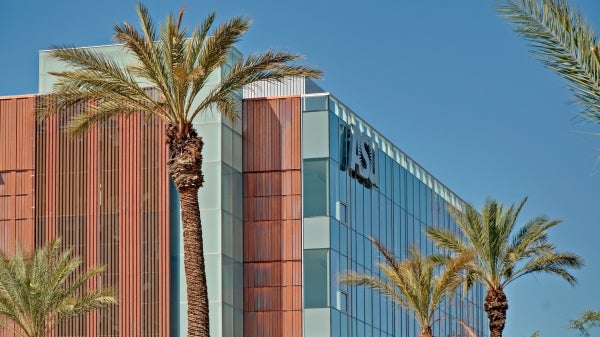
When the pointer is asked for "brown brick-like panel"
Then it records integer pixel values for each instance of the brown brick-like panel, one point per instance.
(272, 217)
(17, 175)
(17, 170)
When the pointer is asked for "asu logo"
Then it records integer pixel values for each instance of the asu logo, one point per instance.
(362, 157)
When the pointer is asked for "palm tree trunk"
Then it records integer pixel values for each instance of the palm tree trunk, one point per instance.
(496, 306)
(193, 260)
(185, 167)
(425, 331)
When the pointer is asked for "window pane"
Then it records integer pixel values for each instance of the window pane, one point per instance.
(316, 278)
(315, 187)
(334, 138)
(316, 103)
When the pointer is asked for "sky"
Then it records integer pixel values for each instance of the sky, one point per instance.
(446, 81)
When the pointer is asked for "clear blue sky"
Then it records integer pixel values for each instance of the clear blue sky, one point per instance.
(447, 81)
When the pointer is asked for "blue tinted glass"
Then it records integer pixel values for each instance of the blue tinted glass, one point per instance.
(316, 278)
(423, 201)
(334, 138)
(369, 305)
(333, 188)
(316, 103)
(388, 177)
(344, 240)
(343, 181)
(382, 177)
(368, 209)
(315, 187)
(335, 272)
(396, 181)
(335, 234)
(409, 193)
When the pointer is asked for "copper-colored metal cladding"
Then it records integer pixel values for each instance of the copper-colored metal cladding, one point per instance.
(106, 195)
(17, 170)
(272, 217)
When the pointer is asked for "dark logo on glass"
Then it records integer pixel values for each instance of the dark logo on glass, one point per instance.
(360, 156)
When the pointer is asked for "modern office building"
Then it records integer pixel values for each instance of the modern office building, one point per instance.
(293, 191)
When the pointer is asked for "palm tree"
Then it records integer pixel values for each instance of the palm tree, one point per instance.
(501, 256)
(38, 291)
(417, 284)
(564, 42)
(178, 68)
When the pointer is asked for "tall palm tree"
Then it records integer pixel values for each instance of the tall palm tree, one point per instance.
(418, 283)
(501, 256)
(40, 290)
(178, 66)
(564, 42)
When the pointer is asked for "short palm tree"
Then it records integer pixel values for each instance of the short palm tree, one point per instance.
(501, 256)
(564, 42)
(418, 283)
(177, 66)
(38, 291)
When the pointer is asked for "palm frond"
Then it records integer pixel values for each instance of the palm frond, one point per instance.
(501, 256)
(216, 48)
(40, 290)
(557, 263)
(418, 283)
(167, 60)
(268, 66)
(564, 42)
(446, 239)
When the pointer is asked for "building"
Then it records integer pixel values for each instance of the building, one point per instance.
(293, 191)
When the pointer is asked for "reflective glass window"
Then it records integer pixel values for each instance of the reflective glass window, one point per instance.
(388, 177)
(381, 166)
(409, 193)
(344, 240)
(333, 187)
(367, 206)
(423, 201)
(396, 181)
(334, 138)
(315, 187)
(316, 276)
(316, 103)
(343, 181)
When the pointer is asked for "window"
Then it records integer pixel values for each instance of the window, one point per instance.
(342, 212)
(315, 187)
(316, 103)
(342, 301)
(316, 278)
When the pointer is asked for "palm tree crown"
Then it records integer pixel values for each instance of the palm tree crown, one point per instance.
(501, 256)
(39, 291)
(177, 65)
(418, 283)
(564, 42)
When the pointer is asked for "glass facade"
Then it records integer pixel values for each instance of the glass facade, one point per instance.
(348, 211)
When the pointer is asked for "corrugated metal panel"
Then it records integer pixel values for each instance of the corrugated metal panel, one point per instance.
(291, 86)
(105, 194)
(129, 226)
(287, 87)
(272, 213)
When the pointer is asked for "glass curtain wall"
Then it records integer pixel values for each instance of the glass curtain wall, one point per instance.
(396, 212)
